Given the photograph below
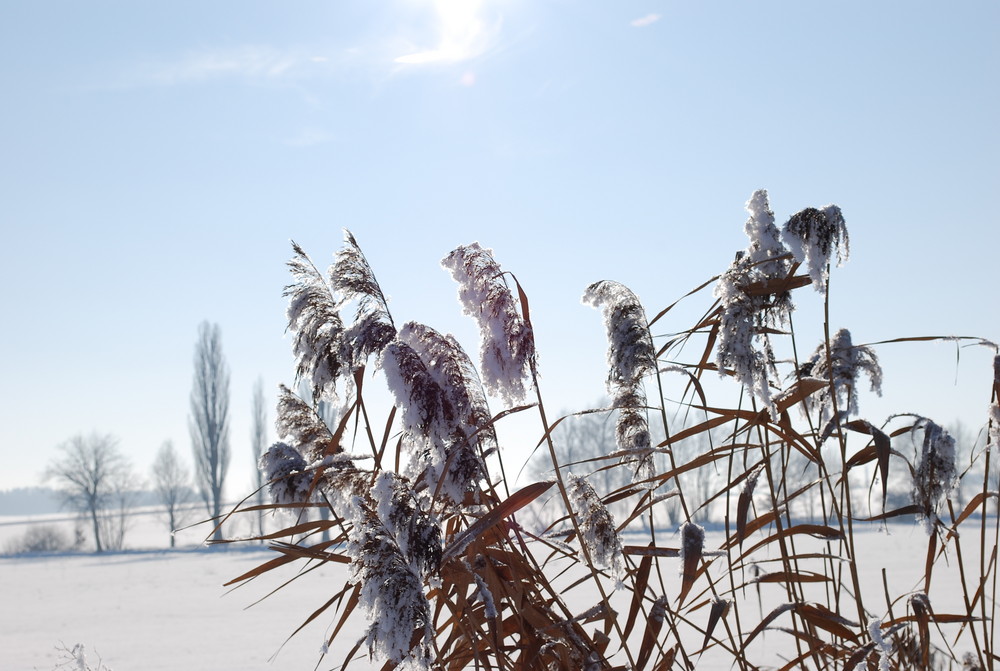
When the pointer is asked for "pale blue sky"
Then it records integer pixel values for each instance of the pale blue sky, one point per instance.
(156, 159)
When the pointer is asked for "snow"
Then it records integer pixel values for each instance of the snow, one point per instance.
(157, 610)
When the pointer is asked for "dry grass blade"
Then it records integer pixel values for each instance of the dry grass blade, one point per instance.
(719, 609)
(508, 507)
(976, 501)
(641, 578)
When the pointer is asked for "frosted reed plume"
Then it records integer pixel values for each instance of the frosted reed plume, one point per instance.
(472, 436)
(353, 279)
(751, 301)
(435, 431)
(843, 364)
(284, 468)
(935, 475)
(417, 532)
(297, 420)
(813, 236)
(596, 526)
(321, 352)
(765, 251)
(391, 594)
(507, 350)
(631, 356)
(453, 370)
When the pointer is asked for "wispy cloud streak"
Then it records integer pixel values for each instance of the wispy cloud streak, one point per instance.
(644, 21)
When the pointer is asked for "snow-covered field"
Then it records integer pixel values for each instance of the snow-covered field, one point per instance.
(159, 609)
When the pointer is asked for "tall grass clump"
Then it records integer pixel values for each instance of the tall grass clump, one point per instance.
(454, 564)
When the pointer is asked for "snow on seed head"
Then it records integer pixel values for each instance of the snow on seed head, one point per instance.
(596, 526)
(507, 350)
(813, 235)
(692, 541)
(765, 239)
(285, 468)
(391, 594)
(843, 363)
(935, 475)
(630, 347)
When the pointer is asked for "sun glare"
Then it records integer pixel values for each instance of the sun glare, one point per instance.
(462, 33)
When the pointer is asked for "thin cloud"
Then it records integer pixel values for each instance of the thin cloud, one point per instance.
(462, 34)
(259, 62)
(644, 21)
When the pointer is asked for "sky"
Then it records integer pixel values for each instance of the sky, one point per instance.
(157, 160)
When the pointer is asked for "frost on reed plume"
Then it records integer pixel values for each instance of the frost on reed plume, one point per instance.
(597, 526)
(507, 350)
(458, 565)
(841, 363)
(935, 475)
(753, 299)
(631, 356)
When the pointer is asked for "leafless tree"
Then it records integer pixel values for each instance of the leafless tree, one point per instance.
(258, 443)
(93, 477)
(171, 481)
(209, 418)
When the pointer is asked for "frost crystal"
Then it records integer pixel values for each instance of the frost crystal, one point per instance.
(508, 345)
(884, 647)
(692, 541)
(813, 235)
(597, 526)
(844, 363)
(935, 474)
(284, 468)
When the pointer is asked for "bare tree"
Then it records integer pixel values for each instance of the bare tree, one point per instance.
(258, 443)
(171, 481)
(209, 419)
(93, 476)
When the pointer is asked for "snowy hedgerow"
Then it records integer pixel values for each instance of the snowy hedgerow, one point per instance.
(507, 351)
(596, 526)
(935, 474)
(843, 363)
(813, 236)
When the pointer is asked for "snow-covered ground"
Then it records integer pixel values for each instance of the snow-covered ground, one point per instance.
(158, 609)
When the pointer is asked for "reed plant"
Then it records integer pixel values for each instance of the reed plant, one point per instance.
(449, 572)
